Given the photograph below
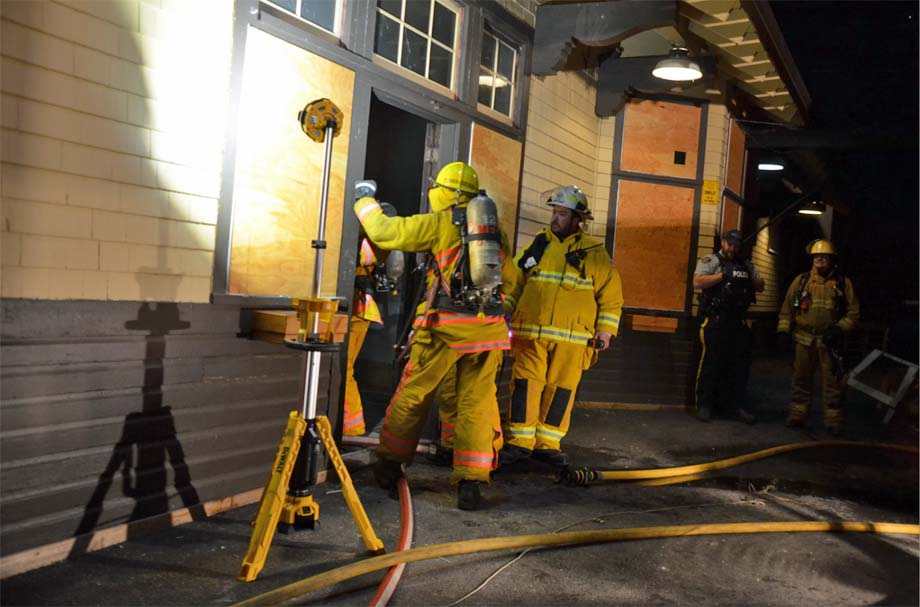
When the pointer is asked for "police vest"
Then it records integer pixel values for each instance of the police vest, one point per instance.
(732, 296)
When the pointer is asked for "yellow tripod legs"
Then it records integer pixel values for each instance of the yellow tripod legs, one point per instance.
(276, 506)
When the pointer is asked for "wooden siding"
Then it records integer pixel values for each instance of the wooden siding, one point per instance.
(105, 406)
(643, 367)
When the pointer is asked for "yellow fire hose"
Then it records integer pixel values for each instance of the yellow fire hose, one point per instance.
(585, 476)
(572, 538)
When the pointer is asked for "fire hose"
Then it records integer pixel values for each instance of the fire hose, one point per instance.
(397, 560)
(679, 474)
(572, 538)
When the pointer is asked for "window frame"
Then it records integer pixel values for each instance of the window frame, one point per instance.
(283, 13)
(458, 10)
(500, 40)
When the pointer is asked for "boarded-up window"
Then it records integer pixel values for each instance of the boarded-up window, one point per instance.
(661, 139)
(652, 243)
(278, 175)
(497, 160)
(731, 215)
(734, 172)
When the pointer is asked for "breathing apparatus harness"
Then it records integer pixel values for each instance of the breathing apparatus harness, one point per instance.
(459, 292)
(534, 253)
(801, 301)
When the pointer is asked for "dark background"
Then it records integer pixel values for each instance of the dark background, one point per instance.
(859, 61)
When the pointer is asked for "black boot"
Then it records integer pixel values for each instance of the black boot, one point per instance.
(442, 457)
(468, 495)
(553, 457)
(387, 473)
(511, 454)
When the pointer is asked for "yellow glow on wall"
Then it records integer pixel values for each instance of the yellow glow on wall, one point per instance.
(278, 175)
(497, 160)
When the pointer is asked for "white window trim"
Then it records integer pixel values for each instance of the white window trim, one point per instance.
(493, 71)
(336, 20)
(414, 76)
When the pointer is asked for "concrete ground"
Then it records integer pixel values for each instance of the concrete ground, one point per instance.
(196, 564)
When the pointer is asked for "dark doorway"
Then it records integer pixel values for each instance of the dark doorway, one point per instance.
(396, 151)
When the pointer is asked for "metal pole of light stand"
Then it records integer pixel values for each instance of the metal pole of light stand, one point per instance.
(304, 474)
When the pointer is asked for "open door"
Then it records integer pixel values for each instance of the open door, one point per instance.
(398, 145)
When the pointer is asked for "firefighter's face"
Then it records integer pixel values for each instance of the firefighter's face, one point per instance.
(821, 262)
(564, 222)
(730, 250)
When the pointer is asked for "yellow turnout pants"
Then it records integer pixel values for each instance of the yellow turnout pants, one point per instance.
(544, 378)
(353, 424)
(476, 432)
(807, 359)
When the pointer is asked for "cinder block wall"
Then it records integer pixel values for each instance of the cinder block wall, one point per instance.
(112, 137)
(566, 143)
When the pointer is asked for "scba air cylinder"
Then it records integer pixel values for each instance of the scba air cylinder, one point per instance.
(484, 240)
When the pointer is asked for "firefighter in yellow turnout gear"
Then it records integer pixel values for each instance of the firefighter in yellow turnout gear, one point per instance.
(369, 277)
(820, 307)
(562, 291)
(445, 335)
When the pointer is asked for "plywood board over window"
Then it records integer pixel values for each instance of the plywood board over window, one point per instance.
(278, 176)
(661, 138)
(652, 242)
(734, 172)
(731, 215)
(497, 160)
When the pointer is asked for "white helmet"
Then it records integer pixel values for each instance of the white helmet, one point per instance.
(570, 197)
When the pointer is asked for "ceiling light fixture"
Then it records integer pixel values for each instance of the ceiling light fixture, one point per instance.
(771, 163)
(815, 207)
(677, 66)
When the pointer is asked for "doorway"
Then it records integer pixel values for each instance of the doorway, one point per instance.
(397, 144)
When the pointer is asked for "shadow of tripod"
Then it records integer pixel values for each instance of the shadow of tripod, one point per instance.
(148, 439)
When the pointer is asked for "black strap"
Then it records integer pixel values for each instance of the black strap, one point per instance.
(534, 251)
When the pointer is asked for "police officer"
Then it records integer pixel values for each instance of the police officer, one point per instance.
(820, 307)
(728, 285)
(562, 292)
(446, 335)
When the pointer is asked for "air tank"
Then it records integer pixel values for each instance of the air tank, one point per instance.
(484, 240)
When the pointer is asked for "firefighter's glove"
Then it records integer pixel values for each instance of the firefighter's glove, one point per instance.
(833, 337)
(365, 188)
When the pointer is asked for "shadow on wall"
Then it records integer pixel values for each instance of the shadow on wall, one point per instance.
(148, 439)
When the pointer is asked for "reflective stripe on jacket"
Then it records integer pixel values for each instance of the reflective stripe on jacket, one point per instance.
(434, 233)
(555, 301)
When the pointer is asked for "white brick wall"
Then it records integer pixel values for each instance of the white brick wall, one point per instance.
(112, 139)
(566, 143)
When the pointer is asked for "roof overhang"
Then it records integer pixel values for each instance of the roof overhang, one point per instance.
(744, 57)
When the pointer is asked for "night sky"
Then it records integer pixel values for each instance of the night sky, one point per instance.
(859, 61)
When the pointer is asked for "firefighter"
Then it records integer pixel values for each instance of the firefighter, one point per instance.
(819, 309)
(370, 277)
(562, 291)
(728, 285)
(448, 331)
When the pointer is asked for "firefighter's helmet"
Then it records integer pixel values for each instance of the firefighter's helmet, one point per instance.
(570, 197)
(821, 246)
(456, 183)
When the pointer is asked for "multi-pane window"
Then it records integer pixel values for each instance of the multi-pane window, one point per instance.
(496, 74)
(317, 12)
(419, 35)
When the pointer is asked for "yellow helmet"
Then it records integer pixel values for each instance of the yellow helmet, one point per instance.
(456, 183)
(820, 246)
